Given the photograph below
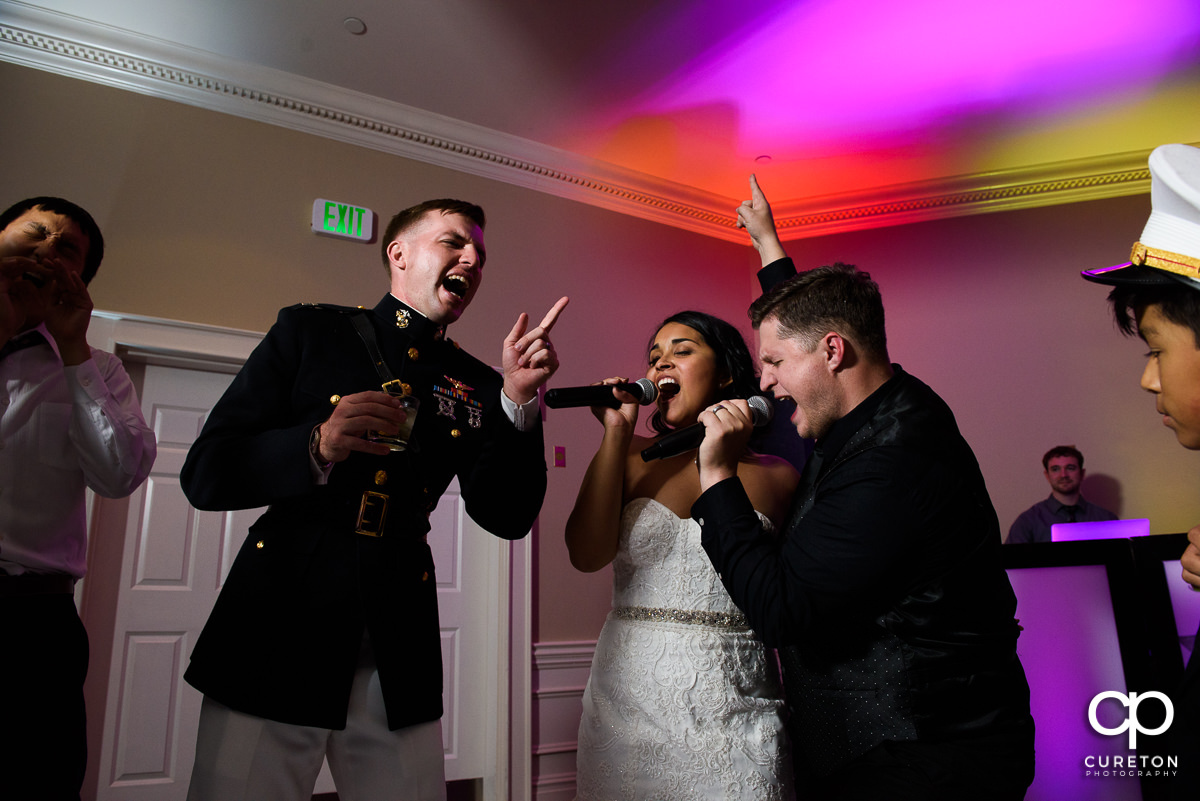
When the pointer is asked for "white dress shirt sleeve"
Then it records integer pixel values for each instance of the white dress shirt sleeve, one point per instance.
(524, 416)
(116, 448)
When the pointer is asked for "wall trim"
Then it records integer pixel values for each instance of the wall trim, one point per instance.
(556, 786)
(564, 747)
(1096, 178)
(559, 668)
(574, 691)
(157, 340)
(563, 654)
(76, 48)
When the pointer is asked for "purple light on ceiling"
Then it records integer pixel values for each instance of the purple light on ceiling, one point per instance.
(829, 68)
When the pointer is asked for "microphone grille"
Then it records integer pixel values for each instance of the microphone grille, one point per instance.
(649, 391)
(761, 410)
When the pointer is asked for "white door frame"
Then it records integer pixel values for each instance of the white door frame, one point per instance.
(176, 343)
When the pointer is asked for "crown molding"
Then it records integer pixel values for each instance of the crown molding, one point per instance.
(77, 48)
(1107, 176)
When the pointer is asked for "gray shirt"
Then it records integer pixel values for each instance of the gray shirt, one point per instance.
(1033, 525)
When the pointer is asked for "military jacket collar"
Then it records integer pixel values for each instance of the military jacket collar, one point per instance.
(391, 311)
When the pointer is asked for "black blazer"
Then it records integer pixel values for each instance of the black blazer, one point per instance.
(885, 593)
(283, 639)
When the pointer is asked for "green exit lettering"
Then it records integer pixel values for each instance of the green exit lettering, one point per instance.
(344, 220)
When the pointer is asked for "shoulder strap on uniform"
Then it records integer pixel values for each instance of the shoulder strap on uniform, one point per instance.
(362, 324)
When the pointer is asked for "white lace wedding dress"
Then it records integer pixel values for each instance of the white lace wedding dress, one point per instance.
(683, 703)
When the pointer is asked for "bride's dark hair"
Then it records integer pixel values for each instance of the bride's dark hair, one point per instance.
(732, 356)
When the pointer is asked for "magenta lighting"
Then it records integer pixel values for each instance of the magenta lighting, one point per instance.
(907, 63)
(879, 86)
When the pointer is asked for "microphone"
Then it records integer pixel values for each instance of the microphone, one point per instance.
(643, 390)
(683, 440)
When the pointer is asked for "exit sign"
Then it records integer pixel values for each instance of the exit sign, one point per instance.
(331, 218)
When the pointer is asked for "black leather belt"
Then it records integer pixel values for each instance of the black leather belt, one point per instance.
(36, 584)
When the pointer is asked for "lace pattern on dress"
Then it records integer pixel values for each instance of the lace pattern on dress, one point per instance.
(676, 711)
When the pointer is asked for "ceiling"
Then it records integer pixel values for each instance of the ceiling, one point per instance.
(852, 113)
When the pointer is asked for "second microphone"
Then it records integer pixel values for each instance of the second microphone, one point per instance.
(684, 439)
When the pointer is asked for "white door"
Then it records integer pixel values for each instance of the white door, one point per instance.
(474, 637)
(171, 560)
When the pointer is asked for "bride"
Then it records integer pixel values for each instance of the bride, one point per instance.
(683, 702)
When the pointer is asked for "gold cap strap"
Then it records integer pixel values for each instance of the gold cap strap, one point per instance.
(1176, 263)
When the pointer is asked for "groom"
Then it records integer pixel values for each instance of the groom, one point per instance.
(885, 593)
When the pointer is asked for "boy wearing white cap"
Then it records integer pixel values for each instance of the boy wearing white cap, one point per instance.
(1156, 295)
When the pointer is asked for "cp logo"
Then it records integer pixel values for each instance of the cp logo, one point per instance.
(1131, 702)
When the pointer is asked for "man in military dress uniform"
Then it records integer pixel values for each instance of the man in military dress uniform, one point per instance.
(324, 640)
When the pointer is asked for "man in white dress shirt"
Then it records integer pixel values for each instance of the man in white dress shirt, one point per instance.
(69, 420)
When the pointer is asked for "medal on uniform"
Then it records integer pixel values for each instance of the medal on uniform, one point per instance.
(448, 398)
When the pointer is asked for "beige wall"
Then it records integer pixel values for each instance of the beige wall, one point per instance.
(206, 216)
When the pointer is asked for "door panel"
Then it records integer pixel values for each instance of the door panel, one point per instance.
(170, 572)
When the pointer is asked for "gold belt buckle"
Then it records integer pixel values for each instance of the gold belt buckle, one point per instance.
(371, 514)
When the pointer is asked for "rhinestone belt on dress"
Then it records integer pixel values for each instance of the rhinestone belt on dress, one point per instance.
(730, 620)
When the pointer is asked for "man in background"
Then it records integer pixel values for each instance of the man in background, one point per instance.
(1063, 468)
(70, 421)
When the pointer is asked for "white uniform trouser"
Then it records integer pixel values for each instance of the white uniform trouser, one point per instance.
(245, 758)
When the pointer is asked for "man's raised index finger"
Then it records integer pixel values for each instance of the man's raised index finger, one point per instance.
(755, 191)
(552, 316)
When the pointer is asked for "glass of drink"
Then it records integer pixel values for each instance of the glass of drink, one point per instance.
(409, 404)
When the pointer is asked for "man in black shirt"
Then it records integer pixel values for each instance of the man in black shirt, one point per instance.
(884, 593)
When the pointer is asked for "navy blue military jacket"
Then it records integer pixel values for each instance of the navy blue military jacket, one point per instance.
(283, 639)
